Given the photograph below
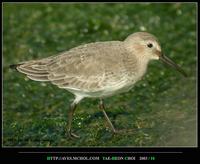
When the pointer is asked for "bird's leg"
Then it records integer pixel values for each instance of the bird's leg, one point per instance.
(70, 117)
(72, 108)
(102, 107)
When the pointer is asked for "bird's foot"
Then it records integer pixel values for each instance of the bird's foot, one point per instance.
(72, 135)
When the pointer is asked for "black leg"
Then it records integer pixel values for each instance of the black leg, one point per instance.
(70, 117)
(102, 107)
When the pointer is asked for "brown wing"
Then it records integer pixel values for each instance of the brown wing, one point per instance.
(89, 67)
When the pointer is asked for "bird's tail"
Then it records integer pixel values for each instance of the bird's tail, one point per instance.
(14, 66)
(35, 69)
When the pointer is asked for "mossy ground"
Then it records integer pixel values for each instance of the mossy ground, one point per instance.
(159, 111)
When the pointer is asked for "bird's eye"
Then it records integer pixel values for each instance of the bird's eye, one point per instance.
(150, 45)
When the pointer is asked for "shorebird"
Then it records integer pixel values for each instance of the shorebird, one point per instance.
(98, 70)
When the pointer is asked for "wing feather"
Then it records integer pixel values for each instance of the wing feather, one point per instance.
(90, 67)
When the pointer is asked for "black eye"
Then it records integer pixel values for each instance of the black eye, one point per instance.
(150, 45)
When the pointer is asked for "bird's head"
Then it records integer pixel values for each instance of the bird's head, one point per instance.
(146, 47)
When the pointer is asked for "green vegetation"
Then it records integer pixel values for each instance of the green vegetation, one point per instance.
(159, 111)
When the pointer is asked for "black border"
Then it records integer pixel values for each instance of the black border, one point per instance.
(159, 153)
(156, 154)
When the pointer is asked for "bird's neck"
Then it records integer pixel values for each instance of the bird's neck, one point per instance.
(137, 62)
(142, 64)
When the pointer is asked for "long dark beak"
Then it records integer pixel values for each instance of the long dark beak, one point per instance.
(168, 61)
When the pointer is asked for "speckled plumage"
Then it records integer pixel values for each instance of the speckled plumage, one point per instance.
(92, 70)
(98, 69)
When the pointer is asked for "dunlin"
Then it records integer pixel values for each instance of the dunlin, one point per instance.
(98, 70)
